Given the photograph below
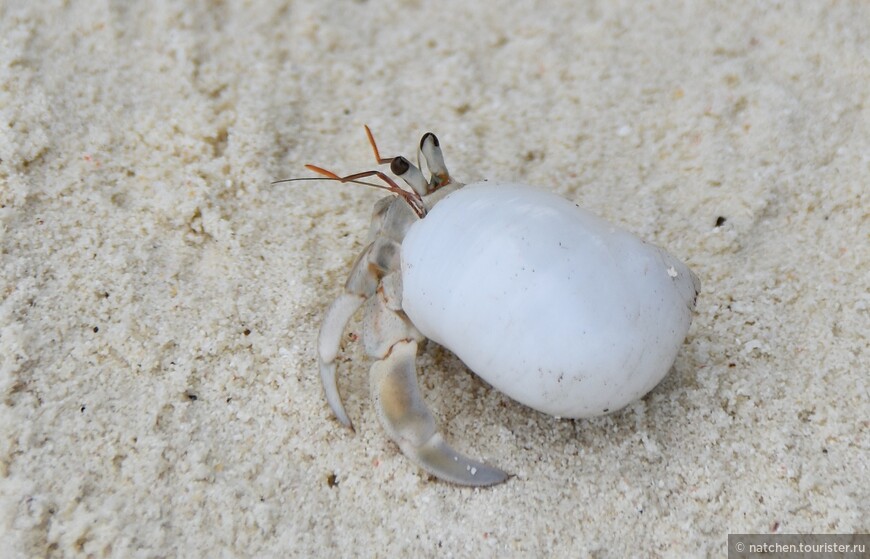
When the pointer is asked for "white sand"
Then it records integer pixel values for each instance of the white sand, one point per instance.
(146, 261)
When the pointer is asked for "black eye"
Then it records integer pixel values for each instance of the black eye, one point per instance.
(399, 166)
(427, 135)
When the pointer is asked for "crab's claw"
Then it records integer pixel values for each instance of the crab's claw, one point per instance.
(409, 423)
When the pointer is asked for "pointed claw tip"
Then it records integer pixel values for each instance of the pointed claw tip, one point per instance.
(489, 476)
(445, 463)
(342, 418)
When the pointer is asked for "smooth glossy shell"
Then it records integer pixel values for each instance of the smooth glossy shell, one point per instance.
(553, 306)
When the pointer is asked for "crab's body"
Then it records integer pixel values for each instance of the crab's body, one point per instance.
(555, 307)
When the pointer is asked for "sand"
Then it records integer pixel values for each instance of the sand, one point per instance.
(161, 300)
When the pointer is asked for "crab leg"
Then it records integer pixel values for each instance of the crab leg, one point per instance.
(407, 420)
(392, 339)
(337, 317)
(360, 285)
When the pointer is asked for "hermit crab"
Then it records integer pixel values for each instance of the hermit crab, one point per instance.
(557, 308)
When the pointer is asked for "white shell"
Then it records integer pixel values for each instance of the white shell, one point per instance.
(555, 307)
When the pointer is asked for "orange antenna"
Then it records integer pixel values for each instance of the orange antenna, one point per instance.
(412, 198)
(399, 166)
(380, 160)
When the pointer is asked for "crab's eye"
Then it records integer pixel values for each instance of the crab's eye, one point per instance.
(429, 135)
(399, 166)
